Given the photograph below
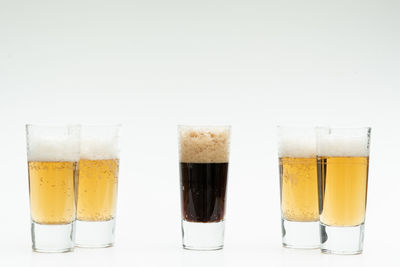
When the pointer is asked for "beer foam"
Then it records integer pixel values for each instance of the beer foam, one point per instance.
(60, 148)
(204, 144)
(98, 148)
(343, 146)
(297, 146)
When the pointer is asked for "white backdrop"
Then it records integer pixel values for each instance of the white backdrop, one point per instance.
(153, 64)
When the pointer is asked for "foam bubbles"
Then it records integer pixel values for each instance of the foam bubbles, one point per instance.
(55, 148)
(70, 143)
(336, 143)
(296, 143)
(100, 142)
(204, 144)
(98, 148)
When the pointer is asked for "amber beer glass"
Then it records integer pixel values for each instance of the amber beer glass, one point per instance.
(53, 153)
(204, 158)
(343, 160)
(97, 186)
(298, 187)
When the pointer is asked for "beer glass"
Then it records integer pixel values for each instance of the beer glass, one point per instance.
(204, 158)
(97, 186)
(53, 153)
(298, 187)
(343, 160)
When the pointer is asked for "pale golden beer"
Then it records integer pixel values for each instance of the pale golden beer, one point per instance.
(52, 191)
(97, 186)
(343, 163)
(299, 189)
(97, 189)
(343, 190)
(53, 154)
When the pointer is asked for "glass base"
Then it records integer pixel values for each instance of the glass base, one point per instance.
(92, 234)
(347, 240)
(203, 236)
(52, 237)
(300, 234)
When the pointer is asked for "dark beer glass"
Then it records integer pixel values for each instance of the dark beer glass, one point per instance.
(204, 159)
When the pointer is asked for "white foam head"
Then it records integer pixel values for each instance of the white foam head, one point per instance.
(343, 142)
(100, 142)
(296, 142)
(53, 143)
(95, 149)
(201, 144)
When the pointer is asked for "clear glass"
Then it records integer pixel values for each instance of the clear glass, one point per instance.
(97, 186)
(204, 160)
(53, 153)
(298, 187)
(343, 161)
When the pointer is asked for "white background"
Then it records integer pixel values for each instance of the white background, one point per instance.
(153, 64)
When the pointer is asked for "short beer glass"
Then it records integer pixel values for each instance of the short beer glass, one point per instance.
(343, 161)
(97, 186)
(53, 154)
(204, 159)
(298, 187)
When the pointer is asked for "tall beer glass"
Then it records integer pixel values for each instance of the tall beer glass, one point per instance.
(97, 186)
(343, 159)
(204, 157)
(299, 187)
(53, 153)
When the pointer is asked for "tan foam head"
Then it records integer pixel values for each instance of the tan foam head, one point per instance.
(204, 144)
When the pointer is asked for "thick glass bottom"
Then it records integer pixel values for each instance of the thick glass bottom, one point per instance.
(203, 236)
(303, 235)
(92, 234)
(52, 237)
(346, 240)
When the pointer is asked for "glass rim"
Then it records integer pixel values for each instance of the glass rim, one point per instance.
(73, 125)
(344, 128)
(295, 127)
(28, 125)
(205, 126)
(281, 126)
(112, 125)
(283, 129)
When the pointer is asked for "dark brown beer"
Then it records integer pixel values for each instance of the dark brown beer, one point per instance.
(203, 190)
